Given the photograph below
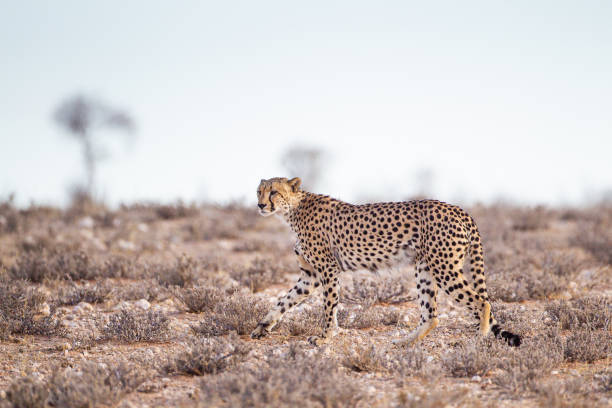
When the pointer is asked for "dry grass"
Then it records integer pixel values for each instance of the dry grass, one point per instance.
(73, 260)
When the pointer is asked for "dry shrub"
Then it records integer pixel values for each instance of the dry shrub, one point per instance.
(295, 379)
(75, 294)
(566, 393)
(303, 322)
(222, 223)
(183, 273)
(585, 313)
(10, 219)
(260, 274)
(523, 367)
(597, 239)
(457, 397)
(90, 385)
(210, 356)
(588, 345)
(473, 357)
(130, 326)
(364, 358)
(368, 316)
(399, 362)
(22, 311)
(148, 289)
(530, 219)
(200, 298)
(383, 289)
(67, 265)
(177, 210)
(238, 312)
(522, 280)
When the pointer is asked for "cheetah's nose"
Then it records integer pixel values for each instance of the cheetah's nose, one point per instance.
(261, 206)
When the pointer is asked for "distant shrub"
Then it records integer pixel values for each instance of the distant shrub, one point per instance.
(199, 299)
(183, 273)
(597, 239)
(178, 210)
(260, 274)
(74, 294)
(530, 219)
(131, 327)
(67, 265)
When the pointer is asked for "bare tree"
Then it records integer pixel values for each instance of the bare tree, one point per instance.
(83, 117)
(304, 162)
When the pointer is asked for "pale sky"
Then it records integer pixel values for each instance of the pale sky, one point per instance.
(497, 99)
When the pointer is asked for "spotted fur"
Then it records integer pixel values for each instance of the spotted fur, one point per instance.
(334, 236)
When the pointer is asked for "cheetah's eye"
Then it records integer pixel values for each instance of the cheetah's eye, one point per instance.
(273, 192)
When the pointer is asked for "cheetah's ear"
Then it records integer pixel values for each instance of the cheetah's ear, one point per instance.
(294, 183)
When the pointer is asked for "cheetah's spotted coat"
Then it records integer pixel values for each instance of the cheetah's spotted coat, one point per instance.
(334, 236)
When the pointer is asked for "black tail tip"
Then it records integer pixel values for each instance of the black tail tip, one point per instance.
(513, 340)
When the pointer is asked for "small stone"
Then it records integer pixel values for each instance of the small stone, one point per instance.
(142, 304)
(3, 394)
(554, 372)
(83, 308)
(142, 227)
(45, 310)
(86, 222)
(476, 378)
(126, 245)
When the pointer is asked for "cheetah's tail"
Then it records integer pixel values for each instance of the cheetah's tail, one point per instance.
(512, 339)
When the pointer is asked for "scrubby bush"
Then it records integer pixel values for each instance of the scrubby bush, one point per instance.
(90, 385)
(294, 379)
(67, 265)
(209, 356)
(130, 326)
(238, 312)
(260, 274)
(584, 313)
(200, 298)
(24, 310)
(183, 273)
(588, 345)
(381, 289)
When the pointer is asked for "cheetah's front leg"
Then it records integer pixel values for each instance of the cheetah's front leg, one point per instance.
(331, 291)
(295, 296)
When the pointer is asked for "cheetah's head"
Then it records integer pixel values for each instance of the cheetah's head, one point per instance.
(277, 194)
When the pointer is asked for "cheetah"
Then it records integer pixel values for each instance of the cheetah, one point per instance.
(334, 236)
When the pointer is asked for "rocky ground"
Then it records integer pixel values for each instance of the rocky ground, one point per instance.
(151, 305)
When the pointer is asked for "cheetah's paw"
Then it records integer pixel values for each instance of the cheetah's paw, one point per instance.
(260, 331)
